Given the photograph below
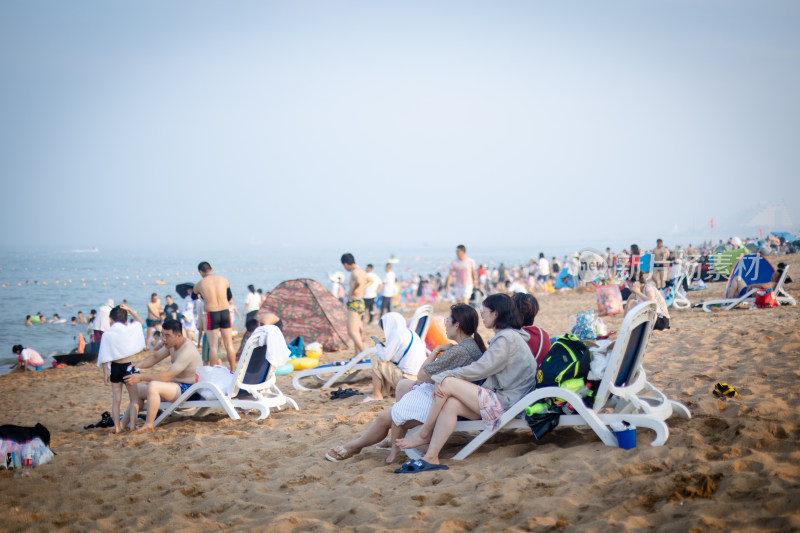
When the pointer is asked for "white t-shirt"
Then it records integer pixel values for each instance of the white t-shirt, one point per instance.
(371, 290)
(252, 303)
(544, 267)
(389, 285)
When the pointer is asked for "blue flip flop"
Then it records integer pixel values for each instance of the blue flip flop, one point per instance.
(418, 465)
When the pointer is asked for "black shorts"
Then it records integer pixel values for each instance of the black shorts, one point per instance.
(152, 323)
(218, 320)
(119, 371)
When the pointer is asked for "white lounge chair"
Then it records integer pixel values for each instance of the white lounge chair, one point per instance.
(680, 300)
(420, 322)
(784, 298)
(624, 394)
(253, 387)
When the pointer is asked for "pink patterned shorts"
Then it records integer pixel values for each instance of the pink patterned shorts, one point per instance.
(491, 410)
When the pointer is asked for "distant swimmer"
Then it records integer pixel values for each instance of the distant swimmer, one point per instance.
(28, 320)
(57, 320)
(81, 319)
(217, 297)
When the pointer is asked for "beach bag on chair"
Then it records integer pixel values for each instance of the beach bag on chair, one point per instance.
(766, 298)
(542, 417)
(568, 358)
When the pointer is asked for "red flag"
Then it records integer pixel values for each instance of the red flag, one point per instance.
(761, 231)
(712, 222)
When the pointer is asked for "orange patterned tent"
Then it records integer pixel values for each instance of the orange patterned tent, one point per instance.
(309, 310)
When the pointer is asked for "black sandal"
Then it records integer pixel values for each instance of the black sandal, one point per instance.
(346, 393)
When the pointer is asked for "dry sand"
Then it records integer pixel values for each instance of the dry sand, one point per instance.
(733, 466)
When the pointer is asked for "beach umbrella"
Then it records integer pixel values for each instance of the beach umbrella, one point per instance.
(183, 289)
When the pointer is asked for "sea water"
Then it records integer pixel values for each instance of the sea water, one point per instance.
(67, 281)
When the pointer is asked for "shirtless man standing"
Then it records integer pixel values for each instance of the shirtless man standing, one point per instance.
(153, 320)
(217, 297)
(660, 269)
(355, 301)
(169, 384)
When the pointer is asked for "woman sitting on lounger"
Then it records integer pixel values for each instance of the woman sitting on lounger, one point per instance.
(413, 405)
(509, 371)
(528, 308)
(642, 291)
(739, 286)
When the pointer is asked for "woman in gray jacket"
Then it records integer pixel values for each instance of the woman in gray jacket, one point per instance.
(507, 368)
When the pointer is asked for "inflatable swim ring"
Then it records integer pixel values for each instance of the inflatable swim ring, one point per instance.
(314, 354)
(284, 369)
(303, 363)
(436, 335)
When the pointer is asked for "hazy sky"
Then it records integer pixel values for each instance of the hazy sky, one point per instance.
(361, 122)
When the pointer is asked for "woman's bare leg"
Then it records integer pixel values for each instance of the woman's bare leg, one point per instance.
(451, 387)
(375, 433)
(445, 424)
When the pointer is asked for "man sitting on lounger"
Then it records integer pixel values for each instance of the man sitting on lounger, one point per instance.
(172, 382)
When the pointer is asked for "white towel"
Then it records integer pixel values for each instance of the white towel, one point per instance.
(120, 341)
(272, 337)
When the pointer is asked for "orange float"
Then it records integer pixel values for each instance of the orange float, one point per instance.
(436, 335)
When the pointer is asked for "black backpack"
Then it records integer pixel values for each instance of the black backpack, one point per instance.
(568, 358)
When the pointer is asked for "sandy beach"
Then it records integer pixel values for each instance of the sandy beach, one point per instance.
(732, 466)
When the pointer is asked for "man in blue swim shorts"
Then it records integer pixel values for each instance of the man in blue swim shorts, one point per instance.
(172, 382)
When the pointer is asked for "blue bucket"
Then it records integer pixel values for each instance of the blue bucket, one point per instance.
(626, 439)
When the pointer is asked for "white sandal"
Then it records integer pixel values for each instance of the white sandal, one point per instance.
(341, 454)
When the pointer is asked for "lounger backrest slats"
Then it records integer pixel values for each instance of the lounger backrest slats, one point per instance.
(257, 368)
(628, 352)
(629, 357)
(421, 326)
(243, 365)
(781, 280)
(420, 322)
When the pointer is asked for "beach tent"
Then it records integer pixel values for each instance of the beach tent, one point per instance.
(308, 310)
(565, 280)
(753, 268)
(723, 261)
